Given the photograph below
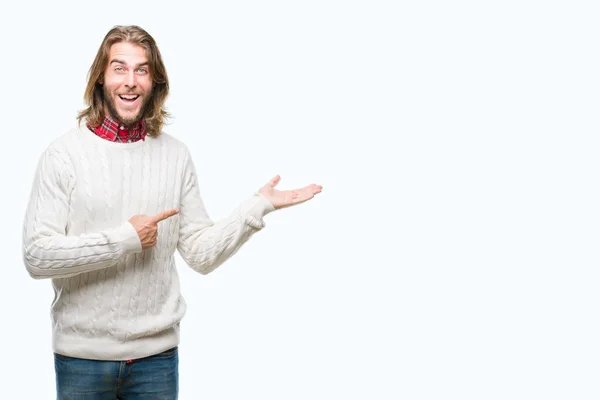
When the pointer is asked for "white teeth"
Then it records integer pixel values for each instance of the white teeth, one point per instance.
(128, 97)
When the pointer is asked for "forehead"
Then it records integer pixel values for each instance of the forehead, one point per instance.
(128, 52)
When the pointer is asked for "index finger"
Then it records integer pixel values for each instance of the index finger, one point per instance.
(164, 215)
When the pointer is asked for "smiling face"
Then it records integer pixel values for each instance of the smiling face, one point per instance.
(127, 83)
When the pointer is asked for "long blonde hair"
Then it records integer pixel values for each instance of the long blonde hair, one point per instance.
(155, 114)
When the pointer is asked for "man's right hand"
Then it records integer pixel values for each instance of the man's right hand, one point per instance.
(147, 226)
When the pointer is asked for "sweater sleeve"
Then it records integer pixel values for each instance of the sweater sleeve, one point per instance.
(48, 250)
(204, 244)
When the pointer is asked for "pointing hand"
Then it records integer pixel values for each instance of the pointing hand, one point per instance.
(147, 226)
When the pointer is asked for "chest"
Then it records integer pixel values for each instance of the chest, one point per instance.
(113, 186)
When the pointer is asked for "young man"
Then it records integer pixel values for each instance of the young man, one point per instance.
(111, 202)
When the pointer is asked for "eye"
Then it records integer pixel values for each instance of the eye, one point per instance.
(119, 69)
(142, 71)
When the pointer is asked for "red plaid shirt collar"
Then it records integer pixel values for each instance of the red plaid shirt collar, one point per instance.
(115, 132)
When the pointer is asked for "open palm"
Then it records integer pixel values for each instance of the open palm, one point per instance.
(286, 198)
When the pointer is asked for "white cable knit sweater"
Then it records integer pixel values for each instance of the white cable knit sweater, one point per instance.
(114, 301)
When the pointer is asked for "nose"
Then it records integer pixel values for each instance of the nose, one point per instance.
(130, 79)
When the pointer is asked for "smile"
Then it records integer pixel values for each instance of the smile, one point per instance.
(129, 98)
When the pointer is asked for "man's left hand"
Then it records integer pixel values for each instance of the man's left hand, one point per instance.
(286, 198)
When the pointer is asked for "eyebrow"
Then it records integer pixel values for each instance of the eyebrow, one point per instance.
(124, 63)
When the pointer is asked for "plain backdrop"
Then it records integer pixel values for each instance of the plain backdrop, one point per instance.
(453, 252)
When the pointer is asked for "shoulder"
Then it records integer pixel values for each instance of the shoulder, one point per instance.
(168, 139)
(55, 162)
(172, 143)
(60, 147)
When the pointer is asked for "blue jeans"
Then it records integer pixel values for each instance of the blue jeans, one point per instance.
(151, 378)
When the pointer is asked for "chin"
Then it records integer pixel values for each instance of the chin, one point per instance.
(129, 118)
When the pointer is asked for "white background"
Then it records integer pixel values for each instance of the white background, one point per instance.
(453, 252)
